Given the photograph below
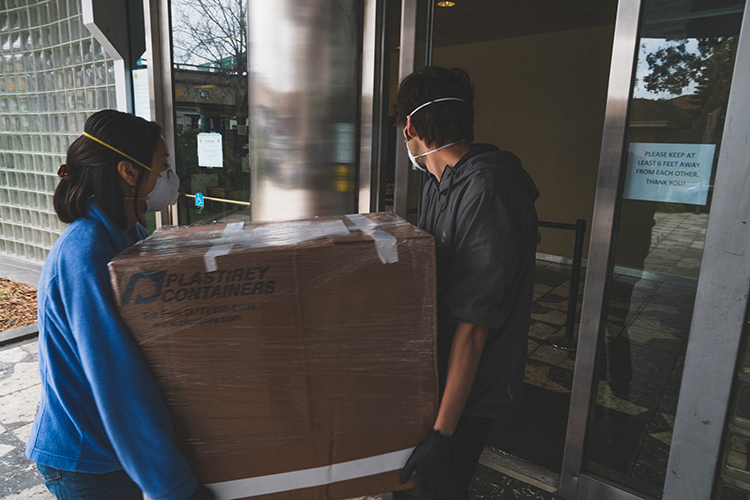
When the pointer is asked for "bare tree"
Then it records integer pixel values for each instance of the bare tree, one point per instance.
(210, 34)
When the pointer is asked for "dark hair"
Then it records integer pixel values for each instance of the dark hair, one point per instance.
(442, 122)
(92, 168)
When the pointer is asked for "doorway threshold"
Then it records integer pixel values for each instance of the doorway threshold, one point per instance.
(520, 469)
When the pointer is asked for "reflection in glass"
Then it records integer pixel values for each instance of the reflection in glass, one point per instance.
(305, 98)
(678, 104)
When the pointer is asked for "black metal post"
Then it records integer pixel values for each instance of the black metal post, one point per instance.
(575, 279)
(567, 341)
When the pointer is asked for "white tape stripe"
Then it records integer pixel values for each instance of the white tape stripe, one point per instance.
(385, 243)
(231, 228)
(218, 249)
(362, 222)
(308, 478)
(209, 258)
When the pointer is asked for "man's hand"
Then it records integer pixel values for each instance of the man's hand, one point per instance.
(202, 493)
(431, 462)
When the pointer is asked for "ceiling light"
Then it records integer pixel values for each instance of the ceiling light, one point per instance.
(446, 4)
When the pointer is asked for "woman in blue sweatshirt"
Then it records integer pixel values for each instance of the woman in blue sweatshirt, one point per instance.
(102, 430)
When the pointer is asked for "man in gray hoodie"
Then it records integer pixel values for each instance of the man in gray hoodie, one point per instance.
(478, 203)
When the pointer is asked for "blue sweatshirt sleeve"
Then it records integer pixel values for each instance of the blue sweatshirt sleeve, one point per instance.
(132, 410)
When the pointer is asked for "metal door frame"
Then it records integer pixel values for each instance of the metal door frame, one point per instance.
(158, 27)
(601, 250)
(406, 66)
(374, 107)
(721, 302)
(721, 299)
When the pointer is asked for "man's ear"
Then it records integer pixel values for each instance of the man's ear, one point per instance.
(409, 127)
(128, 172)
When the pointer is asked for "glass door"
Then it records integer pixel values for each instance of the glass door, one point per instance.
(209, 71)
(677, 104)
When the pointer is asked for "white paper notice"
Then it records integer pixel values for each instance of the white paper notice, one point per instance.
(675, 173)
(209, 150)
(141, 97)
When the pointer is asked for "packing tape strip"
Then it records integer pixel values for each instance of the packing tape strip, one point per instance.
(308, 478)
(385, 243)
(219, 248)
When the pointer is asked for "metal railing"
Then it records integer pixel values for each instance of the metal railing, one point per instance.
(567, 341)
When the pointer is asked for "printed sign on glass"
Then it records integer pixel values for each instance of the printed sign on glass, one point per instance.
(141, 97)
(209, 150)
(675, 173)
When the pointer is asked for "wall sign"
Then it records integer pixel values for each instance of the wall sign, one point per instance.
(675, 173)
(209, 150)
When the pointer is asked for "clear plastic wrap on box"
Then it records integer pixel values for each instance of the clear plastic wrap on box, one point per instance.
(295, 357)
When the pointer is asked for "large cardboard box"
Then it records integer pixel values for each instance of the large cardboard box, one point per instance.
(297, 358)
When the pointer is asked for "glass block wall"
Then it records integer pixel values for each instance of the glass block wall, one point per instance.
(53, 74)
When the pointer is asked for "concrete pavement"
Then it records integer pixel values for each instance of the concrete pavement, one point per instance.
(19, 399)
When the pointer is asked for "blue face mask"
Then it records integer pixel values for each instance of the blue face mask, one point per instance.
(411, 155)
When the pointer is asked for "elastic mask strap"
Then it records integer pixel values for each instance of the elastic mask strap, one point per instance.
(118, 151)
(437, 149)
(437, 100)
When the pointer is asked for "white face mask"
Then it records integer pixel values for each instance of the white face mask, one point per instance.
(414, 158)
(411, 155)
(164, 193)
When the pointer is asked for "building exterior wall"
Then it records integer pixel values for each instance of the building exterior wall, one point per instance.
(53, 75)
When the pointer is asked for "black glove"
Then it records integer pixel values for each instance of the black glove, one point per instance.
(431, 462)
(202, 493)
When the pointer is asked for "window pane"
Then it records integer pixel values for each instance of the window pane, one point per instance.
(210, 78)
(676, 122)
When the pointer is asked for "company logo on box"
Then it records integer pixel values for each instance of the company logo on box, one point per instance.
(156, 277)
(221, 283)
